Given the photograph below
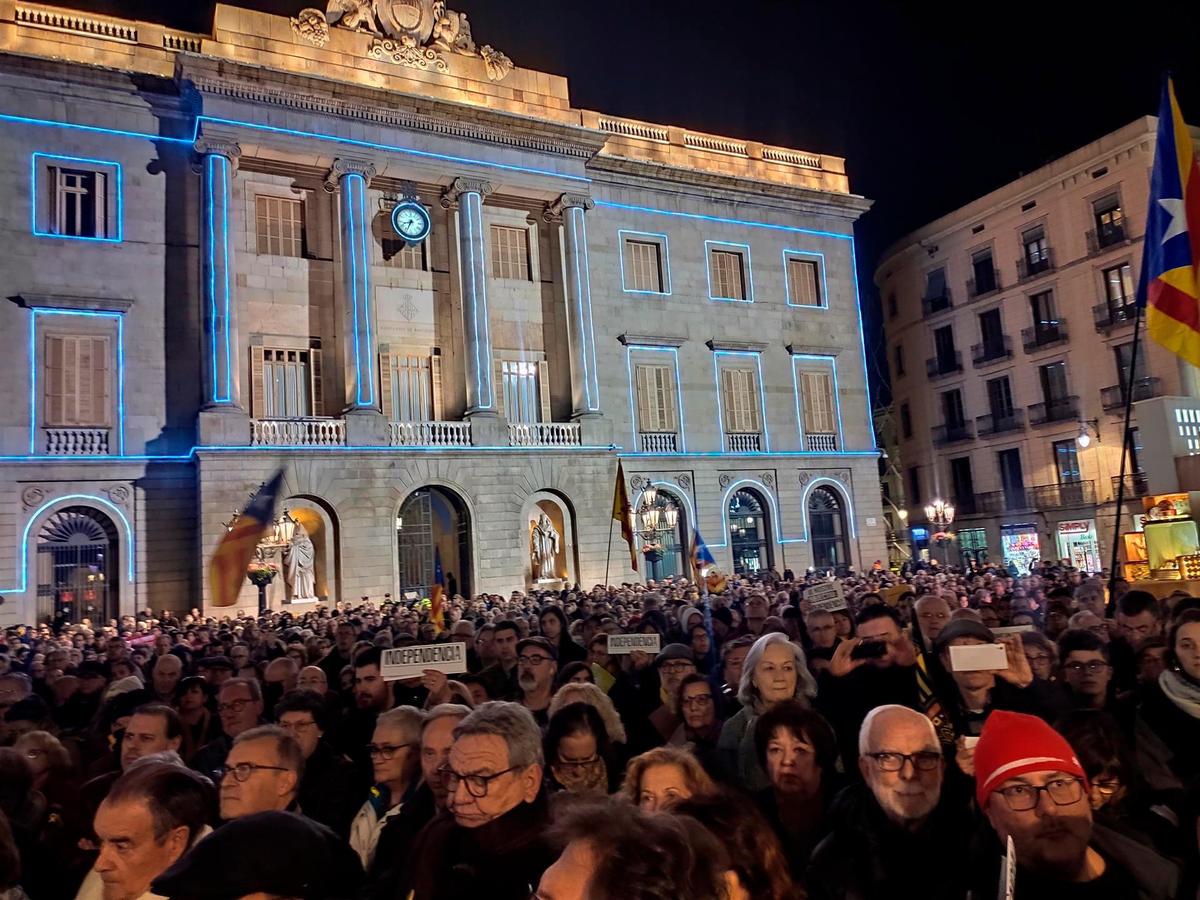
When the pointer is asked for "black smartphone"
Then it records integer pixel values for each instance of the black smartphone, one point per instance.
(869, 650)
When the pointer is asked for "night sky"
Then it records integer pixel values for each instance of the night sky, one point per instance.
(932, 104)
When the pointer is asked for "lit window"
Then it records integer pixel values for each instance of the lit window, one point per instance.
(522, 399)
(287, 384)
(510, 252)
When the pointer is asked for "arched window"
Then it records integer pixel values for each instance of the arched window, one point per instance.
(673, 559)
(77, 566)
(827, 529)
(434, 522)
(749, 532)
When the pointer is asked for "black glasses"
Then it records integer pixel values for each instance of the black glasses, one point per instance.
(1090, 667)
(561, 763)
(243, 771)
(386, 751)
(922, 760)
(1024, 797)
(532, 660)
(477, 785)
(233, 706)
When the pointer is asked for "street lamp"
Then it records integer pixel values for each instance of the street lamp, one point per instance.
(658, 517)
(1084, 438)
(941, 514)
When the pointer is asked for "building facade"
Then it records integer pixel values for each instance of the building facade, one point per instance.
(1010, 347)
(374, 253)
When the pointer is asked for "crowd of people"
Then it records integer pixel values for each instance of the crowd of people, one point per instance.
(775, 746)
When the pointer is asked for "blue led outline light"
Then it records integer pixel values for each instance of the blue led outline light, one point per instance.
(666, 261)
(749, 285)
(837, 399)
(771, 503)
(762, 396)
(366, 276)
(723, 220)
(674, 351)
(421, 210)
(675, 491)
(225, 299)
(221, 342)
(212, 270)
(842, 490)
(586, 337)
(483, 337)
(108, 163)
(787, 279)
(33, 517)
(862, 344)
(356, 259)
(120, 375)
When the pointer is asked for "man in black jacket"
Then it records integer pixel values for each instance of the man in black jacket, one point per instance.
(331, 789)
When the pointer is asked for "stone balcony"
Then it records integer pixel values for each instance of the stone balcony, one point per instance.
(76, 441)
(820, 442)
(544, 434)
(429, 434)
(743, 442)
(305, 432)
(658, 442)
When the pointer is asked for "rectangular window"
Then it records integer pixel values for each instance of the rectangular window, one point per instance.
(1012, 477)
(76, 198)
(510, 255)
(1000, 399)
(403, 255)
(739, 390)
(279, 226)
(1123, 354)
(1054, 382)
(80, 205)
(816, 394)
(804, 282)
(1066, 461)
(655, 387)
(1045, 312)
(1110, 221)
(952, 409)
(1037, 249)
(1118, 286)
(914, 485)
(76, 383)
(943, 345)
(1135, 450)
(937, 295)
(962, 484)
(287, 384)
(984, 272)
(905, 421)
(727, 275)
(643, 266)
(899, 360)
(412, 388)
(522, 399)
(991, 333)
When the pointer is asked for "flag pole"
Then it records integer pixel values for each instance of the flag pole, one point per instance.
(1120, 501)
(608, 555)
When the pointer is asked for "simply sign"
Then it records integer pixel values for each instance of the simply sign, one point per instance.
(825, 597)
(410, 662)
(626, 643)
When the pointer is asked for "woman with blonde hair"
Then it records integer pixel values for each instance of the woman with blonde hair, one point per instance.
(659, 778)
(575, 692)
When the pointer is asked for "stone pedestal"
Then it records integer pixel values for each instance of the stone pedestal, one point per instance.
(366, 428)
(223, 425)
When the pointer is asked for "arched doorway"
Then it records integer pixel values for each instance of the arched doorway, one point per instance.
(550, 541)
(749, 532)
(827, 529)
(673, 559)
(433, 522)
(77, 567)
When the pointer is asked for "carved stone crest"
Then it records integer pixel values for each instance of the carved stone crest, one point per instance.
(768, 479)
(312, 26)
(725, 480)
(33, 496)
(119, 494)
(638, 482)
(684, 481)
(805, 477)
(405, 52)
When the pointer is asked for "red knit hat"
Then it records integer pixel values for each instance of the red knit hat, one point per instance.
(1012, 744)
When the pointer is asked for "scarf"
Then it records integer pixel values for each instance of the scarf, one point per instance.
(1181, 691)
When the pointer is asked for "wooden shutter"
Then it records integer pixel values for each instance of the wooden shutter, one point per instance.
(257, 390)
(543, 375)
(101, 224)
(53, 411)
(498, 384)
(318, 383)
(666, 393)
(435, 384)
(385, 386)
(817, 390)
(644, 390)
(99, 382)
(733, 420)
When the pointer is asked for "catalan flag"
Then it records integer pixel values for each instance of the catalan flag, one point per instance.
(623, 513)
(227, 568)
(437, 594)
(1169, 288)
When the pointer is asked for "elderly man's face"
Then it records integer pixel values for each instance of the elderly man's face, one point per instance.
(238, 711)
(313, 678)
(268, 785)
(436, 740)
(167, 672)
(1136, 629)
(1051, 837)
(911, 792)
(130, 854)
(479, 765)
(933, 613)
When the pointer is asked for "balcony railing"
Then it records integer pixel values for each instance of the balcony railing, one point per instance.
(932, 304)
(308, 432)
(76, 441)
(952, 434)
(998, 502)
(1059, 409)
(999, 423)
(430, 434)
(1101, 239)
(944, 364)
(1112, 315)
(658, 441)
(1031, 268)
(1143, 389)
(1056, 496)
(1136, 485)
(544, 434)
(743, 442)
(989, 352)
(1038, 337)
(819, 442)
(983, 287)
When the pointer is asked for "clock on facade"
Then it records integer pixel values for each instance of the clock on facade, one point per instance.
(410, 220)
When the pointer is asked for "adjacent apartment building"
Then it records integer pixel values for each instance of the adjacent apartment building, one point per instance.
(370, 251)
(1010, 347)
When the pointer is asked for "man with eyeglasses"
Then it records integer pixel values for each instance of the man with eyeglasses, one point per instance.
(331, 786)
(887, 830)
(262, 773)
(1087, 675)
(493, 842)
(240, 706)
(537, 664)
(1032, 788)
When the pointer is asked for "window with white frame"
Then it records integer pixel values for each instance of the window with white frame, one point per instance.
(403, 255)
(643, 266)
(510, 252)
(727, 273)
(76, 389)
(655, 388)
(80, 202)
(411, 392)
(287, 384)
(522, 397)
(820, 416)
(279, 226)
(739, 390)
(804, 282)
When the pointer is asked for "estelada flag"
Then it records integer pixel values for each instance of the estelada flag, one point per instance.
(623, 513)
(437, 594)
(1168, 287)
(227, 568)
(701, 558)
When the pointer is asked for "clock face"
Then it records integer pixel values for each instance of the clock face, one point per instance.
(410, 221)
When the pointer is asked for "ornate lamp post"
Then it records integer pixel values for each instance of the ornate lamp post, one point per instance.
(658, 517)
(262, 570)
(941, 514)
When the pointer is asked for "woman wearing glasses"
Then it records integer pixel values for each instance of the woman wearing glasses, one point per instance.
(396, 765)
(579, 753)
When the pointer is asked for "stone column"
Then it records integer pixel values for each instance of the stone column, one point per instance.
(585, 384)
(468, 194)
(218, 162)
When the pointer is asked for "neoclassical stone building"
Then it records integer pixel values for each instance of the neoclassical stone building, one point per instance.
(376, 254)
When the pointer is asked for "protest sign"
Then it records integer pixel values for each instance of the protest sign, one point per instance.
(410, 662)
(825, 597)
(619, 644)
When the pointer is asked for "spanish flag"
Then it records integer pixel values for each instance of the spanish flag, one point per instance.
(623, 513)
(437, 594)
(227, 568)
(1169, 287)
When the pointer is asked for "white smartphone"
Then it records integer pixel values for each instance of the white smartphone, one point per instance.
(978, 658)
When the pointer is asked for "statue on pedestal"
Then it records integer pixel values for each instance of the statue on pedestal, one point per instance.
(299, 571)
(544, 543)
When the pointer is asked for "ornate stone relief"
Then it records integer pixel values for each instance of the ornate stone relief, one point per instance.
(33, 496)
(805, 477)
(725, 480)
(413, 33)
(639, 482)
(684, 481)
(119, 494)
(768, 479)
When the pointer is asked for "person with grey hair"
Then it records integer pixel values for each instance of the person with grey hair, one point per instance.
(775, 670)
(395, 762)
(888, 828)
(263, 772)
(493, 842)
